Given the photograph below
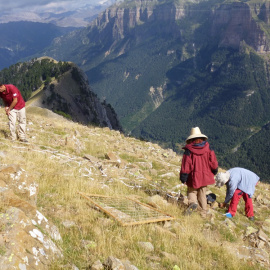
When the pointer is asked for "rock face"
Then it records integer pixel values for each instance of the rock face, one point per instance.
(233, 24)
(113, 53)
(263, 12)
(72, 95)
(27, 239)
(120, 21)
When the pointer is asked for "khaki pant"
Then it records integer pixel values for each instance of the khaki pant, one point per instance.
(12, 117)
(197, 196)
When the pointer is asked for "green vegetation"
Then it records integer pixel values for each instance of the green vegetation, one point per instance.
(30, 76)
(229, 104)
(225, 91)
(64, 114)
(164, 76)
(2, 250)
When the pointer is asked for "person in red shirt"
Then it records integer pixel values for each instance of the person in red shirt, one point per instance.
(199, 165)
(15, 109)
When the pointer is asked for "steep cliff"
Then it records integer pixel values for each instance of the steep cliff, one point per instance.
(122, 19)
(62, 88)
(168, 65)
(235, 23)
(72, 95)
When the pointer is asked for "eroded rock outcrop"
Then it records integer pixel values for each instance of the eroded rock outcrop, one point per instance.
(234, 24)
(72, 96)
(27, 239)
(231, 24)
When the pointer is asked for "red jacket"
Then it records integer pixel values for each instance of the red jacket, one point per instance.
(11, 93)
(199, 165)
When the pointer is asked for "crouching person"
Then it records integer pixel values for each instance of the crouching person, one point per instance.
(240, 183)
(199, 165)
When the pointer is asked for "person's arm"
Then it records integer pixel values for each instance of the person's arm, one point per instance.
(229, 194)
(222, 205)
(231, 187)
(12, 105)
(213, 162)
(186, 166)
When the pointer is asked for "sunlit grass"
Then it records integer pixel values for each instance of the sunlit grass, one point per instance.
(61, 172)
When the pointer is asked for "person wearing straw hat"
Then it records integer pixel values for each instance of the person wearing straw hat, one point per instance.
(199, 165)
(240, 183)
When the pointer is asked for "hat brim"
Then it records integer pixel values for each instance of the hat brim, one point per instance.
(196, 136)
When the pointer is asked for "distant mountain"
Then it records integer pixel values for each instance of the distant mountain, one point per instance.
(26, 32)
(22, 39)
(73, 17)
(61, 87)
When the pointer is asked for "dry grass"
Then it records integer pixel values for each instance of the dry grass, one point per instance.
(61, 172)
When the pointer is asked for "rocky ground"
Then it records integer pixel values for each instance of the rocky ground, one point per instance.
(29, 239)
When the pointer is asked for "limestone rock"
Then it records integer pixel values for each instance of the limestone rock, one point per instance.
(68, 224)
(113, 263)
(266, 225)
(229, 223)
(26, 244)
(97, 265)
(263, 236)
(250, 230)
(128, 266)
(11, 199)
(146, 246)
(112, 157)
(27, 237)
(92, 159)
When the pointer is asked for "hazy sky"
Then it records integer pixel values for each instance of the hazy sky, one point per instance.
(44, 5)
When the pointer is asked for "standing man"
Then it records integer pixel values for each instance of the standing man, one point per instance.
(199, 165)
(15, 109)
(240, 183)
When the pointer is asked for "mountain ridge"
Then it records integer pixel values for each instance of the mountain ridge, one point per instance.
(72, 16)
(61, 87)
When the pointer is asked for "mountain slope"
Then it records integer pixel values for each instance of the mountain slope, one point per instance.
(61, 87)
(66, 231)
(168, 66)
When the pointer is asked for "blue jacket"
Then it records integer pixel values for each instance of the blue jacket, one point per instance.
(242, 179)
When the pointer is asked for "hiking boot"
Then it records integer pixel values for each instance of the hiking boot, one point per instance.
(192, 207)
(228, 215)
(251, 218)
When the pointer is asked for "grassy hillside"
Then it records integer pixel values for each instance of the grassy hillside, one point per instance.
(65, 158)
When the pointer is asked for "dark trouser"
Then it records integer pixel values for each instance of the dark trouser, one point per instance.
(238, 194)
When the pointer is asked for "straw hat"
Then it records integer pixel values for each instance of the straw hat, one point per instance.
(195, 133)
(222, 178)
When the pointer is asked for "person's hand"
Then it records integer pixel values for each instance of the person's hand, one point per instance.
(7, 110)
(222, 205)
